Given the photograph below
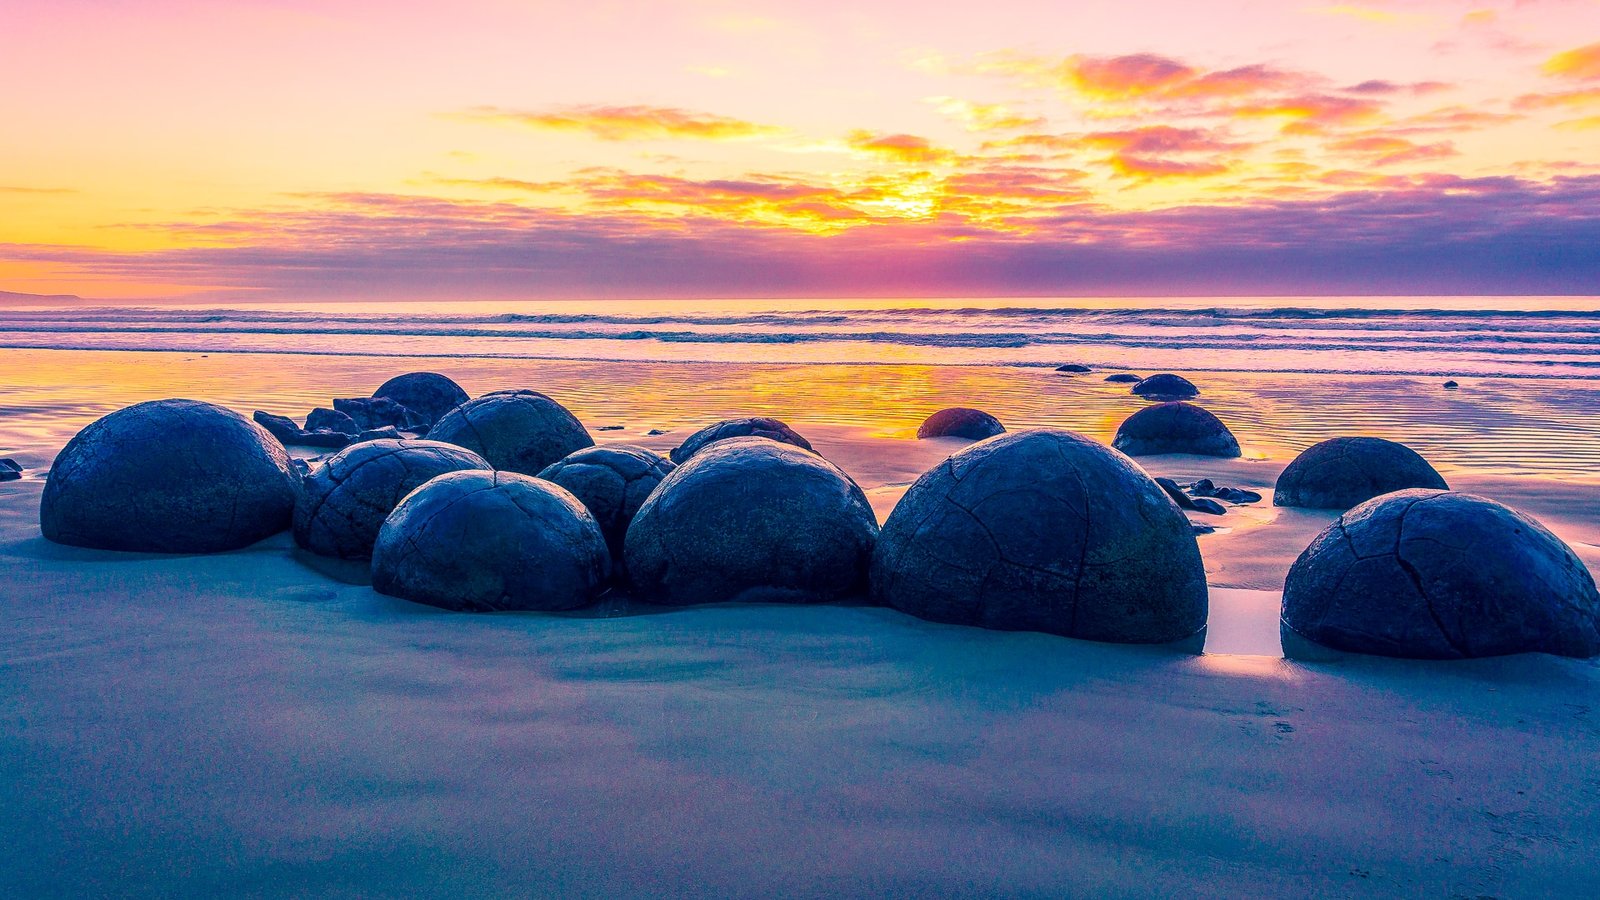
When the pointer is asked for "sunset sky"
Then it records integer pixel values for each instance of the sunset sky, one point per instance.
(492, 149)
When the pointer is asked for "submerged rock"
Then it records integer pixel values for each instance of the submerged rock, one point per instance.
(428, 394)
(612, 482)
(1043, 531)
(1166, 386)
(752, 519)
(1451, 385)
(168, 476)
(755, 426)
(1175, 427)
(1431, 574)
(1073, 369)
(1124, 378)
(516, 431)
(344, 501)
(478, 541)
(959, 421)
(1342, 472)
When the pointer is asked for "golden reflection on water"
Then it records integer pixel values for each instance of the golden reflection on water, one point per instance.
(1518, 426)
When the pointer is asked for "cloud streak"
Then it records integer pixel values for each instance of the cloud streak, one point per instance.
(626, 123)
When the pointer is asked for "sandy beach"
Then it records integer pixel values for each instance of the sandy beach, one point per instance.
(261, 722)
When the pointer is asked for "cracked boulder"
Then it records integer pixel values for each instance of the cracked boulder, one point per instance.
(344, 501)
(1345, 471)
(1048, 531)
(1427, 574)
(428, 394)
(752, 519)
(755, 426)
(961, 422)
(1166, 386)
(1175, 428)
(169, 476)
(516, 431)
(612, 482)
(480, 541)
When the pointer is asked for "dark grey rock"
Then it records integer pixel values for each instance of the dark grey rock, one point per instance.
(10, 470)
(1043, 531)
(611, 428)
(1124, 378)
(386, 433)
(168, 476)
(1175, 427)
(1205, 487)
(1431, 574)
(612, 482)
(1451, 385)
(1177, 494)
(516, 431)
(376, 412)
(655, 431)
(1166, 386)
(959, 421)
(428, 394)
(1342, 472)
(285, 429)
(324, 419)
(733, 428)
(480, 541)
(1207, 505)
(344, 501)
(752, 519)
(1203, 529)
(1073, 369)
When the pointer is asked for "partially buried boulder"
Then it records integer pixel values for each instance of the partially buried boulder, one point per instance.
(752, 519)
(344, 501)
(1124, 378)
(516, 431)
(755, 426)
(1043, 531)
(961, 422)
(168, 476)
(1166, 386)
(612, 482)
(486, 541)
(1342, 472)
(1175, 428)
(1073, 369)
(1440, 575)
(428, 394)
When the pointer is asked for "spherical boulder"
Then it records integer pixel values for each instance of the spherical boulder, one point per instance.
(752, 519)
(1342, 472)
(1166, 386)
(959, 421)
(344, 501)
(612, 482)
(427, 393)
(1175, 427)
(755, 426)
(168, 476)
(516, 431)
(1428, 574)
(478, 541)
(1048, 531)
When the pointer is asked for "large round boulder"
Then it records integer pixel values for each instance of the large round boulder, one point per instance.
(1043, 531)
(168, 476)
(428, 394)
(516, 431)
(1430, 574)
(752, 519)
(344, 501)
(755, 426)
(1175, 427)
(1345, 471)
(612, 482)
(1166, 386)
(961, 422)
(478, 541)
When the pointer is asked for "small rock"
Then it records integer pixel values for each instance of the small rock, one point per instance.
(959, 421)
(1197, 528)
(283, 428)
(1073, 368)
(388, 432)
(10, 470)
(655, 431)
(610, 428)
(1124, 378)
(1183, 500)
(376, 412)
(1207, 505)
(324, 419)
(1166, 386)
(1451, 385)
(1237, 495)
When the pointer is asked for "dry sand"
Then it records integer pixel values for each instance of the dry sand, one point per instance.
(245, 724)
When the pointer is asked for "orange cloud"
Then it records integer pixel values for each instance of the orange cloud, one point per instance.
(1558, 99)
(906, 148)
(1146, 168)
(1581, 64)
(629, 123)
(1384, 151)
(1158, 139)
(1318, 109)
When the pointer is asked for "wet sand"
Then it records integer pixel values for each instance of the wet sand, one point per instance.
(245, 723)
